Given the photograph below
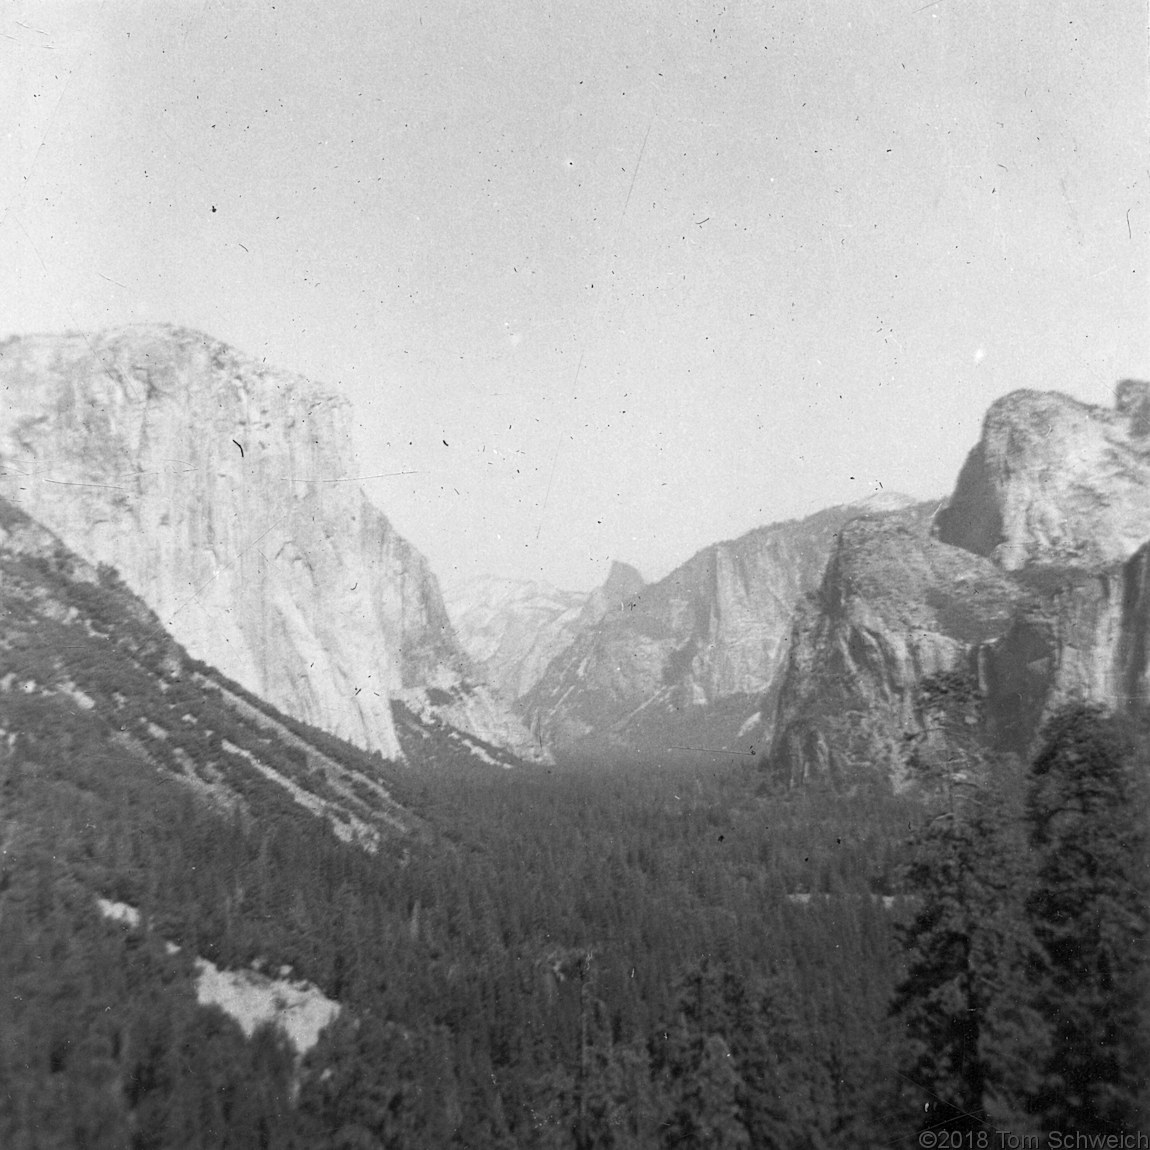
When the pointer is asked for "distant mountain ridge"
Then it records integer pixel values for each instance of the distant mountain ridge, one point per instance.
(220, 489)
(689, 664)
(512, 628)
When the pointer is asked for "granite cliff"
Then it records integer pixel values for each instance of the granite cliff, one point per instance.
(1053, 480)
(1080, 635)
(894, 606)
(86, 670)
(1031, 583)
(689, 664)
(220, 489)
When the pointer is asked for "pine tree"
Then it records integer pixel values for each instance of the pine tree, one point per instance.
(1087, 818)
(621, 1110)
(704, 1087)
(769, 1071)
(968, 1028)
(939, 999)
(361, 1092)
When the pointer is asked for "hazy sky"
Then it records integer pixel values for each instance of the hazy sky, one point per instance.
(615, 278)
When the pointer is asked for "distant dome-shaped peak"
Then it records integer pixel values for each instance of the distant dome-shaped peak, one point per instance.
(623, 580)
(1132, 399)
(1131, 393)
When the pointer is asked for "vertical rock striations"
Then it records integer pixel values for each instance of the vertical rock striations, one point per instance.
(220, 489)
(1081, 636)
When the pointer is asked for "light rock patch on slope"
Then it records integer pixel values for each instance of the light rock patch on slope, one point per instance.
(297, 1008)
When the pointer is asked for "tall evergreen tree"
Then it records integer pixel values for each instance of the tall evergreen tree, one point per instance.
(968, 1028)
(703, 1089)
(1087, 819)
(736, 1063)
(621, 1107)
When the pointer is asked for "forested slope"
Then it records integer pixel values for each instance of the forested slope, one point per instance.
(506, 950)
(612, 958)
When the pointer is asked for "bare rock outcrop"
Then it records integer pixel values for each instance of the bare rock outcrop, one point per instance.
(1053, 480)
(1081, 636)
(220, 489)
(894, 607)
(688, 665)
(1032, 583)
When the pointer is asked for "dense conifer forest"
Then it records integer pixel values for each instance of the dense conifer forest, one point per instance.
(558, 948)
(569, 957)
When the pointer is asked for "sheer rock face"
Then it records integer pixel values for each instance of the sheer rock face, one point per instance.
(1081, 636)
(689, 663)
(74, 637)
(1053, 480)
(895, 606)
(1035, 582)
(219, 489)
